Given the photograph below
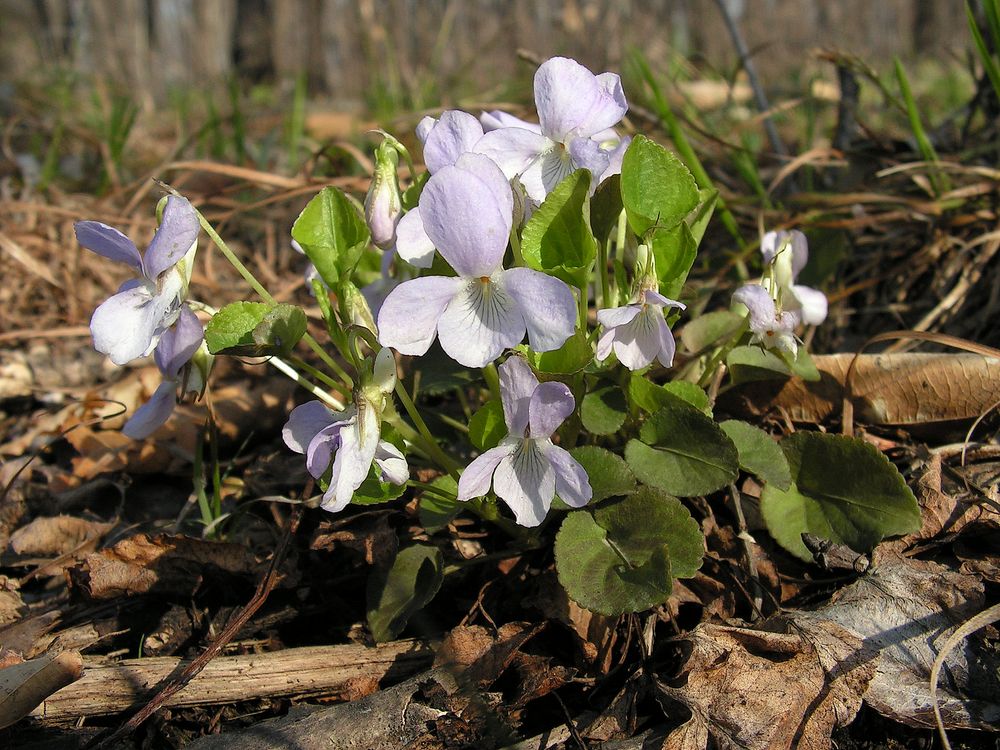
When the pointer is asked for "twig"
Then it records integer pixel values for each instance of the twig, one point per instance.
(228, 633)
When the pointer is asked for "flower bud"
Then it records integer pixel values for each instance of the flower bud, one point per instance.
(196, 372)
(385, 370)
(384, 204)
(355, 309)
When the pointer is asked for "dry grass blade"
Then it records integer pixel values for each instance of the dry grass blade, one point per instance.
(19, 254)
(819, 157)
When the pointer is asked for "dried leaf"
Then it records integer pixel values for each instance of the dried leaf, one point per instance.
(24, 686)
(56, 535)
(897, 389)
(163, 564)
(768, 691)
(903, 610)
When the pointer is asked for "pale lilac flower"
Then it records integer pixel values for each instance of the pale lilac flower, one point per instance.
(174, 351)
(350, 439)
(576, 110)
(129, 324)
(771, 328)
(526, 469)
(637, 333)
(787, 254)
(467, 211)
(446, 139)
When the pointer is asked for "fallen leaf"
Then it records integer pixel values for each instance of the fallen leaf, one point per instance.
(903, 610)
(759, 690)
(24, 686)
(164, 564)
(893, 389)
(55, 535)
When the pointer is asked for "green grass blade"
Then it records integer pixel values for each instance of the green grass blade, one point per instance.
(990, 65)
(939, 182)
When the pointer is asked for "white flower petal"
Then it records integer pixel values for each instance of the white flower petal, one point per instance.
(813, 305)
(572, 482)
(454, 134)
(358, 443)
(526, 482)
(546, 304)
(550, 404)
(128, 325)
(517, 383)
(479, 323)
(412, 243)
(305, 422)
(149, 417)
(391, 463)
(408, 319)
(478, 475)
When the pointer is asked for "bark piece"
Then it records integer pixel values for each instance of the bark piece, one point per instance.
(331, 671)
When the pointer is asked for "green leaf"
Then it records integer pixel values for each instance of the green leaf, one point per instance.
(436, 510)
(657, 189)
(557, 238)
(374, 491)
(710, 328)
(487, 426)
(606, 207)
(759, 454)
(648, 396)
(332, 233)
(603, 411)
(572, 357)
(675, 250)
(397, 594)
(752, 362)
(609, 474)
(255, 329)
(843, 489)
(690, 392)
(683, 452)
(623, 557)
(698, 222)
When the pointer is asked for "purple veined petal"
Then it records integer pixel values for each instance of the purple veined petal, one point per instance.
(305, 422)
(813, 305)
(513, 149)
(550, 404)
(533, 179)
(759, 303)
(358, 444)
(613, 317)
(391, 463)
(324, 444)
(479, 323)
(588, 154)
(546, 304)
(409, 316)
(412, 243)
(496, 119)
(637, 343)
(109, 242)
(153, 414)
(517, 383)
(177, 233)
(572, 482)
(526, 482)
(454, 134)
(491, 175)
(552, 167)
(478, 475)
(128, 324)
(465, 222)
(668, 346)
(566, 94)
(178, 344)
(608, 109)
(652, 297)
(424, 128)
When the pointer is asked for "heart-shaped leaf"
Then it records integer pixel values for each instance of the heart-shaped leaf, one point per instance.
(395, 595)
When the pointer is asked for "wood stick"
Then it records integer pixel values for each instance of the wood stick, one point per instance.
(346, 671)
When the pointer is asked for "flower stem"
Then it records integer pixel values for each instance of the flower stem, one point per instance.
(429, 444)
(515, 246)
(282, 366)
(492, 378)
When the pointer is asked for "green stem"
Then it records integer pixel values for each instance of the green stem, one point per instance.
(315, 372)
(285, 368)
(432, 488)
(492, 378)
(603, 275)
(427, 440)
(722, 352)
(515, 246)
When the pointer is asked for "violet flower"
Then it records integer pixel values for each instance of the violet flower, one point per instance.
(129, 324)
(526, 469)
(771, 327)
(174, 351)
(467, 211)
(576, 110)
(787, 254)
(637, 332)
(350, 439)
(446, 139)
(383, 203)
